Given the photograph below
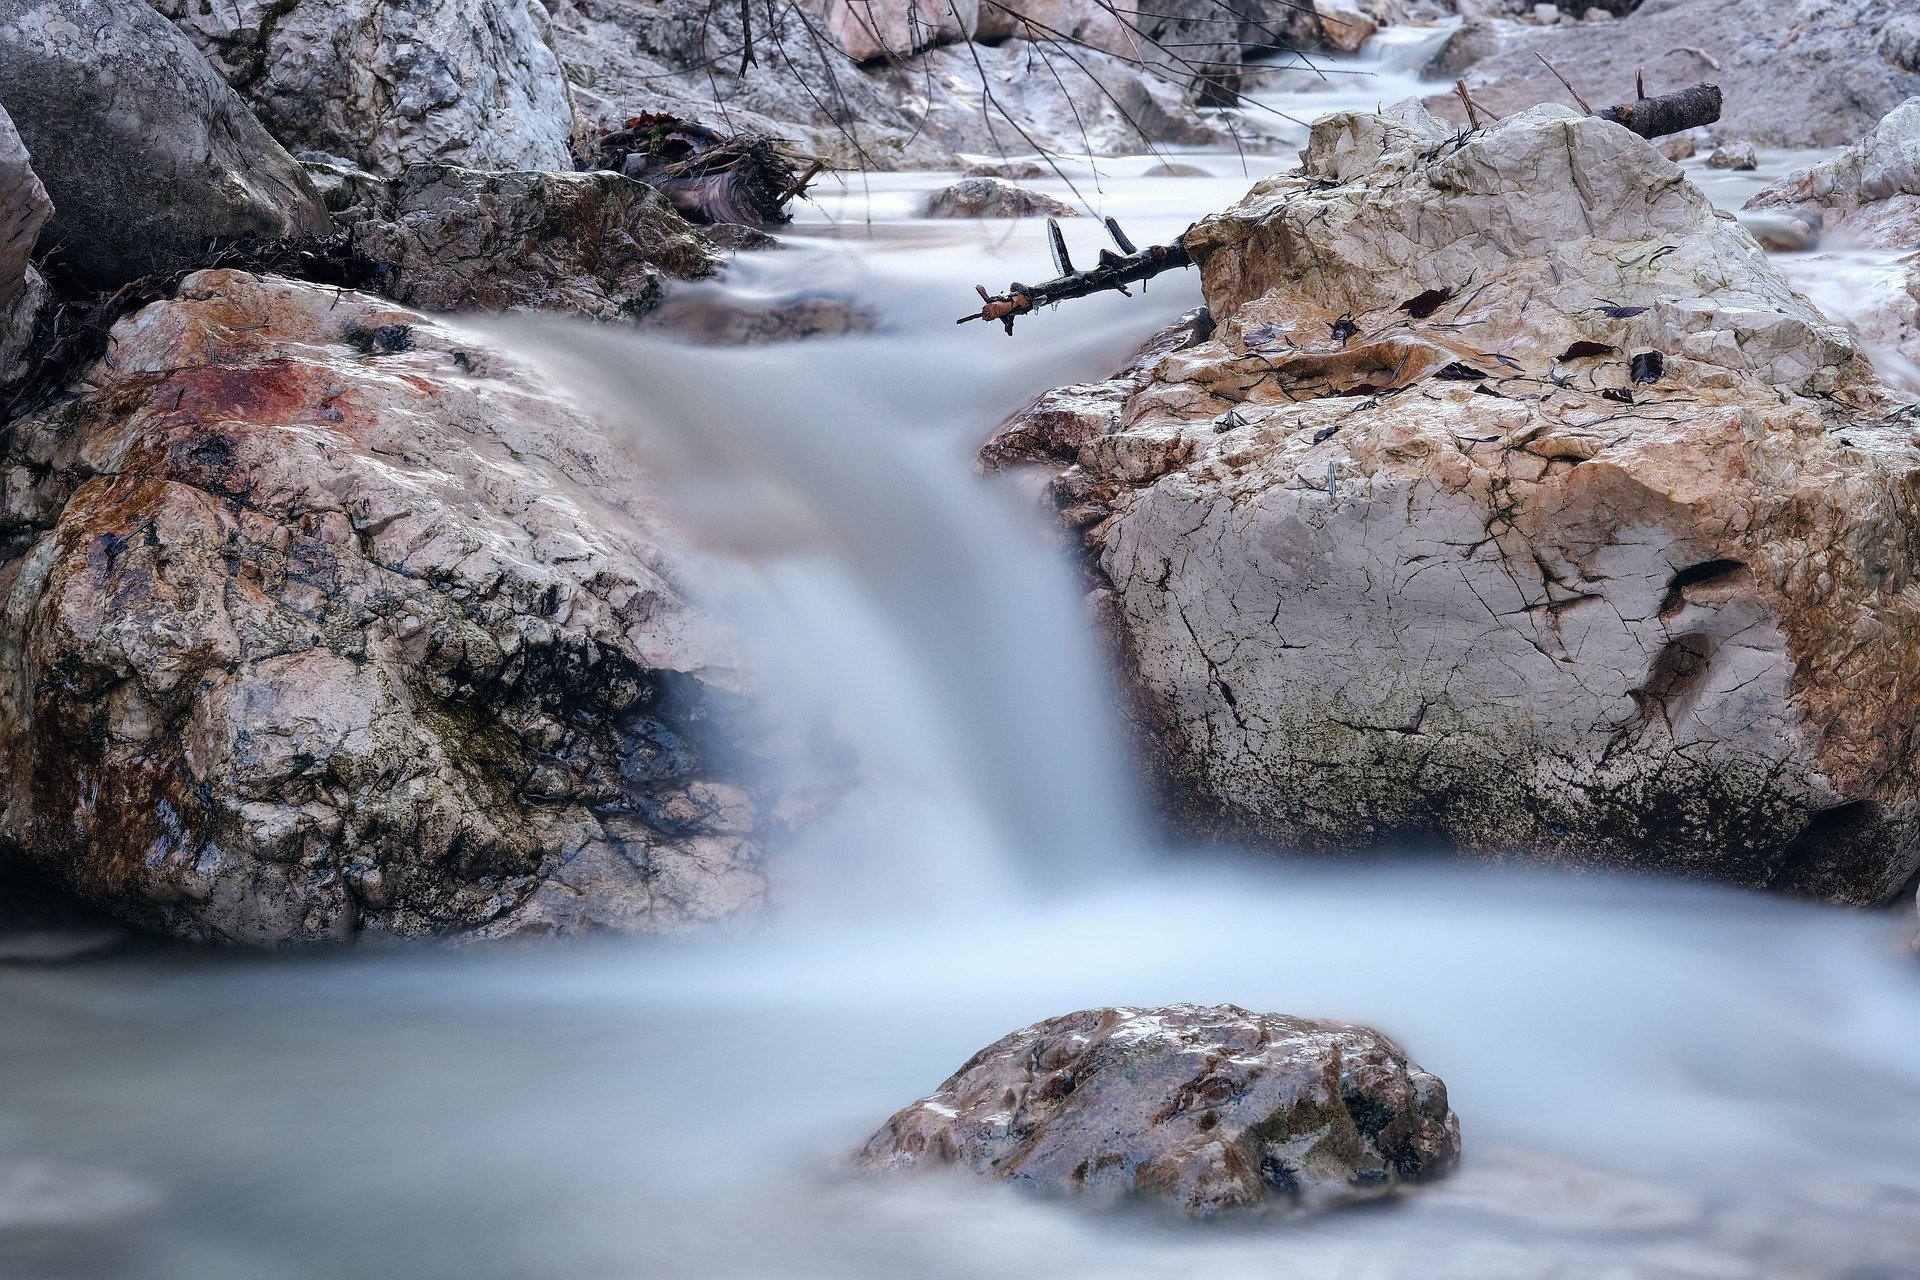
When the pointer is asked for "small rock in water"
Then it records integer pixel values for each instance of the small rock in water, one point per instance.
(1014, 170)
(1174, 169)
(991, 198)
(1206, 1109)
(1596, 15)
(1677, 148)
(1738, 154)
(1780, 233)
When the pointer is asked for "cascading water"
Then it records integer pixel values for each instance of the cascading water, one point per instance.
(1655, 1080)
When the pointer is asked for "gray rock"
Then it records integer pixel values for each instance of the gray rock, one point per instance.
(590, 244)
(992, 198)
(1737, 154)
(1206, 1109)
(1012, 171)
(148, 156)
(463, 82)
(24, 209)
(1870, 192)
(1375, 584)
(323, 620)
(1807, 74)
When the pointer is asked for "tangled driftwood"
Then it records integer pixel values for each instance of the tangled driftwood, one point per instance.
(710, 176)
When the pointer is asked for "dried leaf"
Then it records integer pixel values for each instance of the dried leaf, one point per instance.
(1647, 366)
(1620, 313)
(1426, 304)
(1583, 349)
(1621, 394)
(1459, 372)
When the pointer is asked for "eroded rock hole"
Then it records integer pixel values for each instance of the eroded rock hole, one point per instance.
(1675, 675)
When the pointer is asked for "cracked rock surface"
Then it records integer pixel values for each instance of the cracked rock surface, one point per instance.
(1207, 1109)
(24, 209)
(598, 245)
(466, 82)
(147, 155)
(1557, 526)
(323, 621)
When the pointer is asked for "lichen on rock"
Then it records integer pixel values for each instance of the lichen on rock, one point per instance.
(323, 620)
(1518, 501)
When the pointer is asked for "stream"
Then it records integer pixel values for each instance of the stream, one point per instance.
(1654, 1079)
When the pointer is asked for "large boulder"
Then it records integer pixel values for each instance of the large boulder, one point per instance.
(590, 244)
(24, 209)
(1517, 501)
(322, 620)
(1811, 73)
(149, 157)
(1206, 1109)
(384, 84)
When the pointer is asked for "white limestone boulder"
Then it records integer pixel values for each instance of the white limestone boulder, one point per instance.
(1520, 503)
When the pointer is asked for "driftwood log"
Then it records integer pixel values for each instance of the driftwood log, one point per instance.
(1675, 112)
(1656, 117)
(709, 176)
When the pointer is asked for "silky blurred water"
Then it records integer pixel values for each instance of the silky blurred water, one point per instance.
(1654, 1079)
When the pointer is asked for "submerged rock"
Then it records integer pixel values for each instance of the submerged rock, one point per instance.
(590, 244)
(1557, 527)
(992, 198)
(1206, 1109)
(322, 620)
(1809, 74)
(148, 156)
(463, 82)
(24, 209)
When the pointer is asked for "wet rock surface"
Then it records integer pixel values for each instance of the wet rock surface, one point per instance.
(1532, 525)
(148, 156)
(1814, 73)
(1206, 1109)
(24, 209)
(464, 82)
(992, 198)
(597, 245)
(1867, 195)
(323, 621)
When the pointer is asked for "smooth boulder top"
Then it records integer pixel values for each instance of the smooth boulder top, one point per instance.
(149, 157)
(1207, 1109)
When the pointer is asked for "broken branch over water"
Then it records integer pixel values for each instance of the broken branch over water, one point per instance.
(1115, 271)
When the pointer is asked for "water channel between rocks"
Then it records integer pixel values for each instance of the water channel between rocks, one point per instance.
(1654, 1079)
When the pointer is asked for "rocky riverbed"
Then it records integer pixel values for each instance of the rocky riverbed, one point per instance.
(1516, 493)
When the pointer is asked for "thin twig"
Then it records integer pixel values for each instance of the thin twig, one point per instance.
(1473, 116)
(1563, 80)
